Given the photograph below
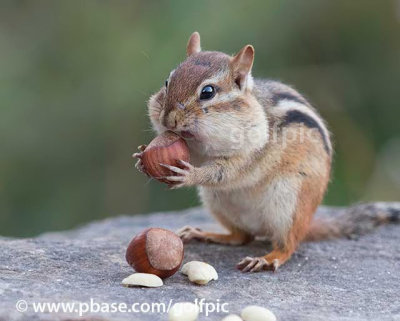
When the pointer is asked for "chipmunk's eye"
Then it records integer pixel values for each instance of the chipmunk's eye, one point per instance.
(166, 83)
(207, 92)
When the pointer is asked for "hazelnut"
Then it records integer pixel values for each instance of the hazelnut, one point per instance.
(166, 148)
(156, 251)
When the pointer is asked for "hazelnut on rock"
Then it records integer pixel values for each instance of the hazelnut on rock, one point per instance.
(157, 251)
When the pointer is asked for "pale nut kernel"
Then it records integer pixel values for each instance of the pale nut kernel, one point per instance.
(142, 279)
(256, 313)
(232, 317)
(183, 311)
(199, 272)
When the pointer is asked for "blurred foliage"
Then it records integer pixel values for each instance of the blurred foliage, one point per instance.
(75, 77)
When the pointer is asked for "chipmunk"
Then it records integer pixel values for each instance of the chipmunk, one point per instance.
(261, 155)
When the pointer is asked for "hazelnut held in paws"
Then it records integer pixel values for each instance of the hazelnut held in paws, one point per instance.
(167, 149)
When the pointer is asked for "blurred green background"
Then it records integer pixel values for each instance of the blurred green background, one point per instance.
(75, 77)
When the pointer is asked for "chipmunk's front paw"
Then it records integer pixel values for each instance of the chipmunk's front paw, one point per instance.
(188, 233)
(256, 264)
(186, 176)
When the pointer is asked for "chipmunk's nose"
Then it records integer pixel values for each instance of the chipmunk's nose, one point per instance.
(169, 120)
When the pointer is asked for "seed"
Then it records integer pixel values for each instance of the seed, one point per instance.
(199, 272)
(256, 313)
(142, 279)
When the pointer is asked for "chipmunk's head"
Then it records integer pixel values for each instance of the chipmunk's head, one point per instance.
(208, 100)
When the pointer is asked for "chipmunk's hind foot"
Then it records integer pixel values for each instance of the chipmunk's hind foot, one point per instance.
(257, 264)
(271, 261)
(189, 233)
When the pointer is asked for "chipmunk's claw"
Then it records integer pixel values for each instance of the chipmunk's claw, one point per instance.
(140, 154)
(188, 233)
(175, 186)
(256, 264)
(180, 177)
(174, 169)
(186, 164)
(176, 181)
(139, 164)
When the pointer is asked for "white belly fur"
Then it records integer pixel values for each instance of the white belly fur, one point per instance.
(267, 212)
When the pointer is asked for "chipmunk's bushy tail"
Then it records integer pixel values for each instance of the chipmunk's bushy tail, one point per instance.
(353, 221)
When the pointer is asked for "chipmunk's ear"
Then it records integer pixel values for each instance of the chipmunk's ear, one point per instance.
(193, 45)
(242, 64)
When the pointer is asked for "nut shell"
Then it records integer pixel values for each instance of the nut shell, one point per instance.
(166, 148)
(156, 251)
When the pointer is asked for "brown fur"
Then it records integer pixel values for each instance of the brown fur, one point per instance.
(194, 70)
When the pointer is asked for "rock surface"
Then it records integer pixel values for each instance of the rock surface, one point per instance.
(332, 280)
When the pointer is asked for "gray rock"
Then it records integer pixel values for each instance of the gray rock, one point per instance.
(332, 280)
